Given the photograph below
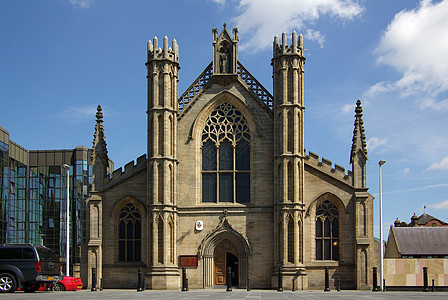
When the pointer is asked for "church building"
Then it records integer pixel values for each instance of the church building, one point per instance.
(226, 182)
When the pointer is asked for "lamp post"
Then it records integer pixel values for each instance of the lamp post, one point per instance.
(380, 163)
(67, 246)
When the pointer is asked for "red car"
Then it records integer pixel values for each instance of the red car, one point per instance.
(68, 284)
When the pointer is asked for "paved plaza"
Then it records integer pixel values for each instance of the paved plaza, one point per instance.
(222, 294)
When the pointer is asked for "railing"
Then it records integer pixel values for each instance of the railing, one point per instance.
(255, 86)
(195, 87)
(207, 74)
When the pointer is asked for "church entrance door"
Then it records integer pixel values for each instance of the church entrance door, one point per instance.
(226, 255)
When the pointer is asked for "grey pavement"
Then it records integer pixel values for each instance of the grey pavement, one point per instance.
(222, 294)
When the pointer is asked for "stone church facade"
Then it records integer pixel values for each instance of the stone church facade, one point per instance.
(226, 182)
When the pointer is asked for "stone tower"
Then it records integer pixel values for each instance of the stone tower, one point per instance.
(289, 154)
(163, 67)
(364, 202)
(100, 163)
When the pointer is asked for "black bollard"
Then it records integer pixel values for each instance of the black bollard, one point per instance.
(139, 280)
(384, 285)
(93, 280)
(101, 284)
(375, 280)
(280, 280)
(229, 279)
(327, 280)
(433, 286)
(248, 283)
(425, 279)
(293, 285)
(184, 280)
(339, 285)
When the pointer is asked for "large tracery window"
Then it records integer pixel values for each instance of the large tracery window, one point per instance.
(225, 156)
(327, 232)
(129, 233)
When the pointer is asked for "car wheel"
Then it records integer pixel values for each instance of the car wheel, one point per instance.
(31, 288)
(8, 283)
(58, 287)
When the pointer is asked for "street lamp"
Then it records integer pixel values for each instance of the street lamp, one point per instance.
(67, 246)
(380, 163)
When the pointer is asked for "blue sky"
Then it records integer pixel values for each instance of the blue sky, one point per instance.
(61, 58)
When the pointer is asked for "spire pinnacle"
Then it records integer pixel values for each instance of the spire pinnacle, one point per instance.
(359, 137)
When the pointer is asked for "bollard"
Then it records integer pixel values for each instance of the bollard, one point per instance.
(384, 285)
(184, 280)
(248, 284)
(425, 279)
(327, 280)
(139, 280)
(375, 280)
(293, 285)
(101, 284)
(433, 286)
(229, 279)
(93, 280)
(280, 280)
(339, 285)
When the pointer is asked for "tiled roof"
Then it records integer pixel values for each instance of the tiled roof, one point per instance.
(422, 240)
(425, 218)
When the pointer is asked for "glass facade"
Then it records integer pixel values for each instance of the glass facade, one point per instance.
(34, 197)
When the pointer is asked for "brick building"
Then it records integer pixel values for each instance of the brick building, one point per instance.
(226, 182)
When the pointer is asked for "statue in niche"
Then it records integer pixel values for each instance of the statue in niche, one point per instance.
(224, 60)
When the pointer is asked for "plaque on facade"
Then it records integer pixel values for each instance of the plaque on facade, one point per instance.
(188, 261)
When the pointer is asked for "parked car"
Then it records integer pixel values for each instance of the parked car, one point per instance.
(68, 284)
(28, 267)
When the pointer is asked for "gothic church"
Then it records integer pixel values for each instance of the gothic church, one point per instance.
(226, 182)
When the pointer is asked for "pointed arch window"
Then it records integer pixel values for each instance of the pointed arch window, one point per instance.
(129, 233)
(327, 231)
(226, 156)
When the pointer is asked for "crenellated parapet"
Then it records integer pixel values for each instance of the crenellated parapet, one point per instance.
(326, 166)
(164, 53)
(130, 169)
(296, 47)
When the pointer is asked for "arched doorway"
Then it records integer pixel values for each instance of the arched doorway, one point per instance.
(221, 248)
(226, 256)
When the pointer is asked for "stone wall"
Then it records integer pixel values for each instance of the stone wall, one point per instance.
(409, 271)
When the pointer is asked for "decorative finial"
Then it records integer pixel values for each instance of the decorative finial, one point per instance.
(224, 212)
(225, 25)
(424, 209)
(99, 114)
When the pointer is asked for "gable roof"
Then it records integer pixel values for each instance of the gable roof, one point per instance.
(421, 240)
(187, 99)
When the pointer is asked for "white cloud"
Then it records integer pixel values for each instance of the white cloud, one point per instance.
(348, 108)
(433, 104)
(261, 20)
(316, 36)
(441, 205)
(82, 3)
(375, 142)
(442, 165)
(416, 45)
(80, 113)
(405, 172)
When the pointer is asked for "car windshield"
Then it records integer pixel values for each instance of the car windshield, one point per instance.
(46, 254)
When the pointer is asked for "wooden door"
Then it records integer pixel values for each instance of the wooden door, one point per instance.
(220, 268)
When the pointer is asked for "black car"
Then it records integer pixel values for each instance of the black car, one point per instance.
(27, 266)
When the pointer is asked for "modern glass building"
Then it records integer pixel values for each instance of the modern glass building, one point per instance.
(33, 197)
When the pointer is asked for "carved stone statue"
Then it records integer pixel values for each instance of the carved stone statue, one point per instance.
(224, 61)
